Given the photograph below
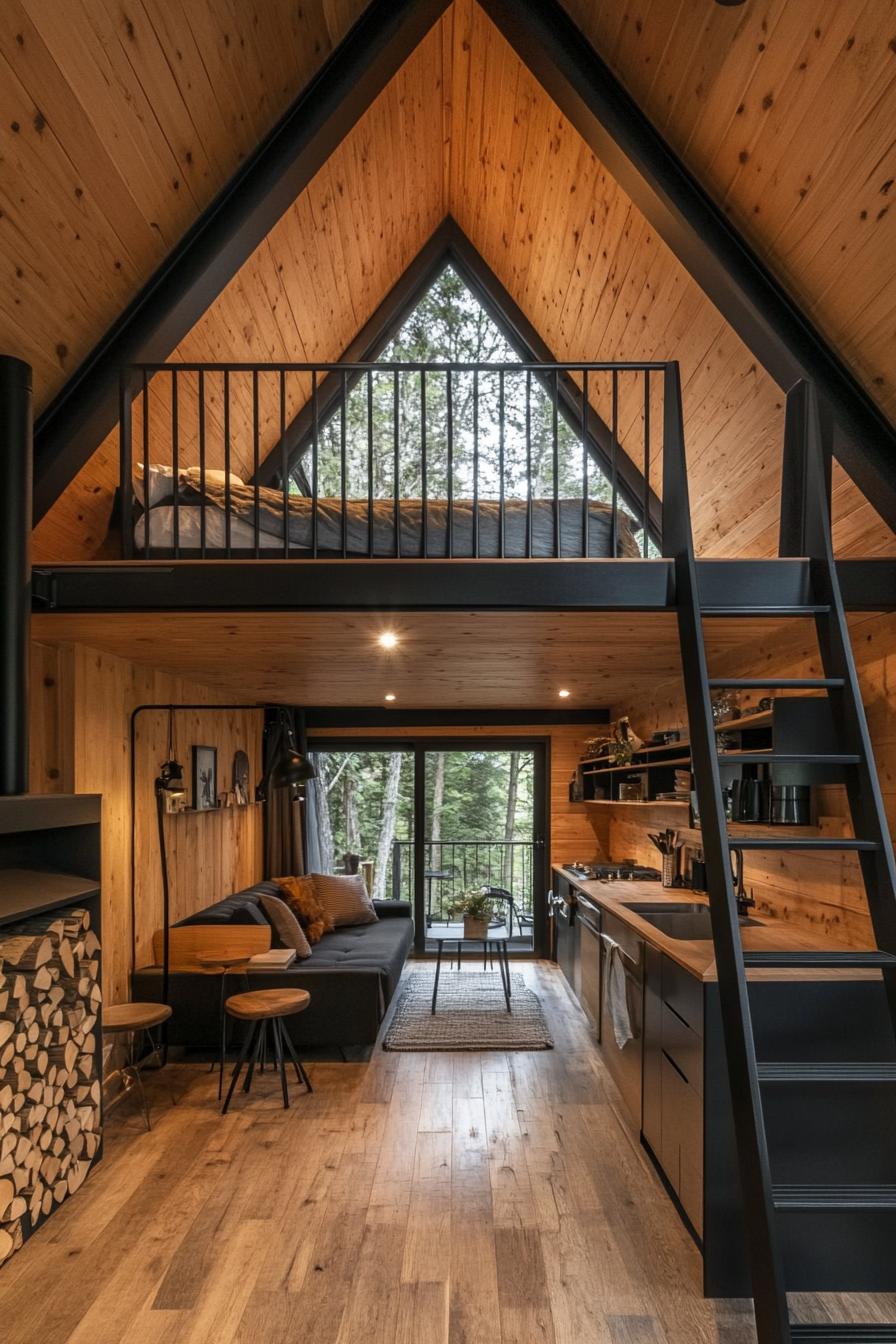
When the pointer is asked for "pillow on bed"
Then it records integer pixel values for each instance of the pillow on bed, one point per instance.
(344, 899)
(193, 476)
(158, 488)
(300, 896)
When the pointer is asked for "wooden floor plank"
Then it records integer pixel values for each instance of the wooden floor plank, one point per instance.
(449, 1198)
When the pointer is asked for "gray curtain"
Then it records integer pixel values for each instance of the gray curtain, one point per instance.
(283, 847)
(312, 824)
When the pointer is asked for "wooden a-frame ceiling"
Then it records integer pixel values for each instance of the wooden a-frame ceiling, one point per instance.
(120, 129)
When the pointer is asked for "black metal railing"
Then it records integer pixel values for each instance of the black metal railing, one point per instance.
(451, 867)
(447, 460)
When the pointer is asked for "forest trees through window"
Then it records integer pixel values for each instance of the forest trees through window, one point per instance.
(505, 429)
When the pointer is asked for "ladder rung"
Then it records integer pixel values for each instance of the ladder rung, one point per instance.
(834, 1196)
(788, 758)
(777, 683)
(797, 842)
(835, 1333)
(826, 1072)
(808, 610)
(820, 960)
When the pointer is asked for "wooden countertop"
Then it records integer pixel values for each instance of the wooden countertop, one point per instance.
(697, 955)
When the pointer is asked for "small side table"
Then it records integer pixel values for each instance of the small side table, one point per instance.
(213, 962)
(133, 1020)
(496, 936)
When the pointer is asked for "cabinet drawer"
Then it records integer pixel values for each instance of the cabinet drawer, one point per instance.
(682, 1142)
(684, 1047)
(683, 992)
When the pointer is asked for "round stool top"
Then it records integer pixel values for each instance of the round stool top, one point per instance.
(258, 1003)
(212, 959)
(134, 1016)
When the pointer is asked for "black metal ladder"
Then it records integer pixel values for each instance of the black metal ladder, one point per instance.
(805, 532)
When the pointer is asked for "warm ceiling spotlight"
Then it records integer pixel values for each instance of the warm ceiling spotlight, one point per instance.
(564, 695)
(387, 640)
(390, 696)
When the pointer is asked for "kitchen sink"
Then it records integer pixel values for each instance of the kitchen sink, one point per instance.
(680, 919)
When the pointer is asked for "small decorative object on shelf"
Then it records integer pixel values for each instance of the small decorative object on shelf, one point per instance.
(619, 746)
(476, 909)
(241, 779)
(205, 778)
(725, 705)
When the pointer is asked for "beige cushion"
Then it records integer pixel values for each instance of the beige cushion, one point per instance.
(344, 899)
(287, 926)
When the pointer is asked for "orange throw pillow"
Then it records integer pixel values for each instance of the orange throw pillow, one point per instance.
(300, 896)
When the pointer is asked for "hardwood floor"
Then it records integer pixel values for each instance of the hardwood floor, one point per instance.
(421, 1199)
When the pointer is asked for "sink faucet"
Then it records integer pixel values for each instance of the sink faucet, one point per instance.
(745, 903)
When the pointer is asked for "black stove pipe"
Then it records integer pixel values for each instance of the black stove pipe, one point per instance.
(16, 433)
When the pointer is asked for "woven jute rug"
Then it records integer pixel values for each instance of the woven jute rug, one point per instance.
(470, 1015)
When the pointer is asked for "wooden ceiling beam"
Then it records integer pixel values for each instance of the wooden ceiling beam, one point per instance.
(227, 234)
(700, 235)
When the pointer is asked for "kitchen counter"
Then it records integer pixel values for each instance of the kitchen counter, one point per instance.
(696, 955)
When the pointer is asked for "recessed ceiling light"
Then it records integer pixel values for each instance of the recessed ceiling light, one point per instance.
(387, 640)
(564, 695)
(390, 696)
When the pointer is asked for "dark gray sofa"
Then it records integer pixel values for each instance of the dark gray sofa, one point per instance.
(351, 976)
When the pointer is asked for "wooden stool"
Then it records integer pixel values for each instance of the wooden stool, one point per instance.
(215, 964)
(261, 1006)
(133, 1020)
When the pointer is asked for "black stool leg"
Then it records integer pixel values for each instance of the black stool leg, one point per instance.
(299, 1066)
(256, 1053)
(250, 1035)
(435, 988)
(277, 1030)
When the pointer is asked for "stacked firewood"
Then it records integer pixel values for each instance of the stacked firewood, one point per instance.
(50, 1087)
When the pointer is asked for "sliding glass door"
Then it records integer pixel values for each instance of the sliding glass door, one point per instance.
(427, 820)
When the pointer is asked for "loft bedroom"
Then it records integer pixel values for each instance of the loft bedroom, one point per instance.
(447, 887)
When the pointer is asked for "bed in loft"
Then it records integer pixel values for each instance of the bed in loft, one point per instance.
(214, 514)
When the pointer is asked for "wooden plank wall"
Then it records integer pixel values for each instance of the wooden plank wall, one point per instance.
(572, 835)
(822, 891)
(82, 701)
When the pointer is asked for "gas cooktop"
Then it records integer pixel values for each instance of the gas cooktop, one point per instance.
(626, 871)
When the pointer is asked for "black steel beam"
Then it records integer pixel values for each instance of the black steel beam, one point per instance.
(15, 571)
(376, 716)
(449, 245)
(437, 585)
(226, 234)
(705, 241)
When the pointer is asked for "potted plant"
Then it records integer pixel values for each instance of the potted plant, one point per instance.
(476, 908)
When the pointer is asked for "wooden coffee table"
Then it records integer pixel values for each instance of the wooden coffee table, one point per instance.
(496, 936)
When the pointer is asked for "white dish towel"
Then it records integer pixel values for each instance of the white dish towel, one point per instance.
(616, 990)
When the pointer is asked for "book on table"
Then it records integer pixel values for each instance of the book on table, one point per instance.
(276, 958)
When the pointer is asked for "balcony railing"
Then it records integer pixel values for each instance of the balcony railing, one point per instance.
(451, 867)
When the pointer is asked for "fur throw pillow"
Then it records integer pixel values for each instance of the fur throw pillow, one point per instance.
(300, 895)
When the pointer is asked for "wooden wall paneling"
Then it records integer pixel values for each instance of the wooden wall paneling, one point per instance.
(786, 119)
(87, 740)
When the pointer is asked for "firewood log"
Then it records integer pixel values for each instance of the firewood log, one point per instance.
(25, 952)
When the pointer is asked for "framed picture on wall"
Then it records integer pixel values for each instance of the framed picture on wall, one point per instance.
(205, 778)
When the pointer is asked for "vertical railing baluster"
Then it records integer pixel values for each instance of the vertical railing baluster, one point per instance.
(370, 537)
(475, 547)
(586, 506)
(200, 392)
(284, 465)
(227, 508)
(126, 462)
(614, 485)
(450, 432)
(146, 474)
(501, 447)
(175, 464)
(256, 431)
(424, 519)
(645, 509)
(315, 454)
(342, 464)
(396, 470)
(529, 482)
(555, 438)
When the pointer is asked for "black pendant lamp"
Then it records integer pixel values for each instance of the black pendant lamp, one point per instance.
(287, 765)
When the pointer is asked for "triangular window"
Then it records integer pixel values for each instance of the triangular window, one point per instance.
(385, 415)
